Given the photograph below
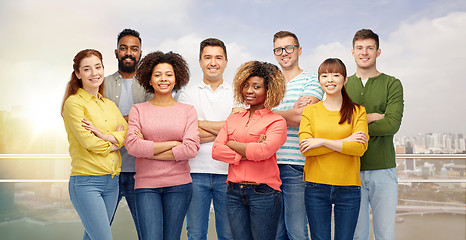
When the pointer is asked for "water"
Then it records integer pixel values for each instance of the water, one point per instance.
(425, 227)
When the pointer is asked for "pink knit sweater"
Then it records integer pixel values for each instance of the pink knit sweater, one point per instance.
(160, 124)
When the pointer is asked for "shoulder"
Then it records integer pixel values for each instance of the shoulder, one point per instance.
(113, 77)
(190, 90)
(389, 79)
(142, 105)
(306, 76)
(184, 107)
(313, 107)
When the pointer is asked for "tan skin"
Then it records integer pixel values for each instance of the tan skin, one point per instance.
(213, 63)
(254, 92)
(289, 63)
(365, 53)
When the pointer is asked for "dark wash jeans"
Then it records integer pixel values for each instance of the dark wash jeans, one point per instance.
(253, 211)
(319, 200)
(161, 211)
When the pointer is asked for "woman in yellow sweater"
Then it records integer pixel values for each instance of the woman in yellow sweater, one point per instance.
(96, 131)
(333, 135)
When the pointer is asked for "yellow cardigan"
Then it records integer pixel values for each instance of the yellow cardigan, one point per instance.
(91, 155)
(324, 165)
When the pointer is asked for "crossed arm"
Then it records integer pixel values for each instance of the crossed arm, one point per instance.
(293, 115)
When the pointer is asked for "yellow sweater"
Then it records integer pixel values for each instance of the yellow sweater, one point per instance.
(324, 165)
(91, 155)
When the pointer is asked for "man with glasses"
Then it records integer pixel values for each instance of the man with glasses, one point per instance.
(302, 89)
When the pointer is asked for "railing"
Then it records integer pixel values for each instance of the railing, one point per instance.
(40, 207)
(398, 156)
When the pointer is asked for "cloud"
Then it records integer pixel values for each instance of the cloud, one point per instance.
(427, 56)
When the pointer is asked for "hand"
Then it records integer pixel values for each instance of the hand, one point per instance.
(139, 134)
(302, 102)
(309, 143)
(120, 128)
(89, 126)
(262, 138)
(359, 137)
(371, 117)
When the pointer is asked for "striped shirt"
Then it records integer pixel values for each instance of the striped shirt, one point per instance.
(303, 84)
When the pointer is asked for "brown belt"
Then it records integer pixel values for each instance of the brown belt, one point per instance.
(248, 183)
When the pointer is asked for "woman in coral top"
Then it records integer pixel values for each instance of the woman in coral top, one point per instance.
(96, 131)
(163, 135)
(248, 141)
(333, 135)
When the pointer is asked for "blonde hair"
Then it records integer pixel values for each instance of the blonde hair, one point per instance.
(274, 81)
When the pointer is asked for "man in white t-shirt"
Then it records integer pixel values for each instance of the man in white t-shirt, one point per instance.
(213, 101)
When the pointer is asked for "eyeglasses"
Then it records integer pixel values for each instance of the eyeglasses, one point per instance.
(288, 49)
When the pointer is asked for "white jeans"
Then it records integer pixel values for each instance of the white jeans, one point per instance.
(379, 189)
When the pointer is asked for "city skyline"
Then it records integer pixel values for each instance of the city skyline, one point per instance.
(422, 45)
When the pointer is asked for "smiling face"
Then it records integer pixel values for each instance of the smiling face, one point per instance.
(213, 63)
(287, 60)
(332, 83)
(254, 92)
(128, 53)
(163, 78)
(365, 53)
(91, 73)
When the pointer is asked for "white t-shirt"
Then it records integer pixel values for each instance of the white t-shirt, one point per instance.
(210, 106)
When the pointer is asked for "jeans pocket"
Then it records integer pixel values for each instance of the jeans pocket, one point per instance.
(263, 189)
(392, 173)
(311, 185)
(353, 188)
(82, 179)
(229, 188)
(297, 168)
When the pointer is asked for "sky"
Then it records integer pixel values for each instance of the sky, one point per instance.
(423, 44)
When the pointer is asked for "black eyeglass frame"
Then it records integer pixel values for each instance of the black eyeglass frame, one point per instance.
(284, 49)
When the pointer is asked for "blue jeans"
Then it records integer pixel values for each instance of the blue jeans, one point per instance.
(379, 189)
(208, 187)
(94, 198)
(293, 220)
(127, 190)
(319, 201)
(161, 211)
(253, 211)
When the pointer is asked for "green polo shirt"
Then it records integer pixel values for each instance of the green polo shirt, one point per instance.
(381, 94)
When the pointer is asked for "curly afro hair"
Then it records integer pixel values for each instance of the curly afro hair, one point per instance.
(148, 63)
(274, 81)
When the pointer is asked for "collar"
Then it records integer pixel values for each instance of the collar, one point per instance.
(261, 112)
(87, 96)
(202, 85)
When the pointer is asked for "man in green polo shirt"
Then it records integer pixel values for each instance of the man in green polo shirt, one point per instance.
(382, 96)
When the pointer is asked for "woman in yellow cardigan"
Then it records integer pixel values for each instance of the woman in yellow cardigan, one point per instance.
(96, 131)
(333, 135)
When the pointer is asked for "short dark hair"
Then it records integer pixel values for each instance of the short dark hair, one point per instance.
(148, 63)
(212, 42)
(366, 34)
(283, 34)
(128, 32)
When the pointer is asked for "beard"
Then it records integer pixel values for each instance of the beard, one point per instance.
(125, 67)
